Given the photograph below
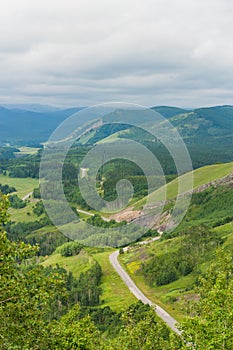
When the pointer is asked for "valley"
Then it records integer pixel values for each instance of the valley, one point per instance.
(104, 272)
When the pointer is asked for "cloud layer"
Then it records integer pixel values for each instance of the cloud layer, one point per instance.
(151, 52)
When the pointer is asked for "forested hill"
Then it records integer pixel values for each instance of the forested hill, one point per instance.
(206, 122)
(205, 125)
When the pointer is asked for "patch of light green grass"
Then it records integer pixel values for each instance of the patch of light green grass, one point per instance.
(23, 186)
(115, 293)
(24, 214)
(114, 137)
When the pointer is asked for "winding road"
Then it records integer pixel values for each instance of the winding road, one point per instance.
(171, 322)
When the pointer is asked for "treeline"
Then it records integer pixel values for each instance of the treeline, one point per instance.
(22, 167)
(70, 248)
(84, 290)
(16, 202)
(107, 130)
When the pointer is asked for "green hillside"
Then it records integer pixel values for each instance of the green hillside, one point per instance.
(201, 176)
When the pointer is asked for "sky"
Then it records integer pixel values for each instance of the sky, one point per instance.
(150, 52)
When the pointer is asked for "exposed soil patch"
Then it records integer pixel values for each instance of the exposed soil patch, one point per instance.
(128, 214)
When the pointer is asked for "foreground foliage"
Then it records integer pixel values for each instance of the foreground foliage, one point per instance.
(211, 326)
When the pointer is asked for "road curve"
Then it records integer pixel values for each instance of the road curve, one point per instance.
(27, 196)
(171, 322)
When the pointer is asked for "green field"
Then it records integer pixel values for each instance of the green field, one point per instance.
(75, 264)
(115, 293)
(23, 186)
(28, 150)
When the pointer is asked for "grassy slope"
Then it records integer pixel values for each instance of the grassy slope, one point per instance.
(115, 293)
(201, 176)
(132, 260)
(113, 137)
(23, 187)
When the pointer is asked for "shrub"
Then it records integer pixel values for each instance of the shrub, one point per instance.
(16, 202)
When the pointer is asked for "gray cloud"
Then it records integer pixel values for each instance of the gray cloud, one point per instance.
(148, 51)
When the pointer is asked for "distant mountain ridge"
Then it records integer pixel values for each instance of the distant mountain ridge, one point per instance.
(208, 124)
(35, 107)
(19, 126)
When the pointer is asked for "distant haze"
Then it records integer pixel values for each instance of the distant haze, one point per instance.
(151, 52)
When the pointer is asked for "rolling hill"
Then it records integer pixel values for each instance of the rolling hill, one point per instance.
(202, 124)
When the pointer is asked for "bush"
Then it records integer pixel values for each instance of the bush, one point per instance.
(36, 193)
(5, 189)
(70, 249)
(121, 251)
(39, 208)
(16, 202)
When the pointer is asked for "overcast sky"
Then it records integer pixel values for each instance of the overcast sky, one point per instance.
(83, 52)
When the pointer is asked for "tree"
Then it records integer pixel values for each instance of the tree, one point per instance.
(143, 330)
(70, 248)
(73, 334)
(211, 326)
(16, 202)
(24, 293)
